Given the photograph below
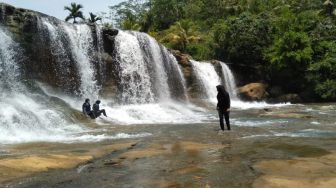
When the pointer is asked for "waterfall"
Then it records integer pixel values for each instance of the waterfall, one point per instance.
(229, 81)
(58, 48)
(9, 70)
(208, 78)
(81, 41)
(153, 58)
(100, 49)
(135, 80)
(24, 116)
(149, 73)
(175, 76)
(3, 13)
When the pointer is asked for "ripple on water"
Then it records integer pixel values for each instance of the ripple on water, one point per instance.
(313, 133)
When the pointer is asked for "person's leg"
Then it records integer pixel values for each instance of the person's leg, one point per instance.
(221, 122)
(92, 115)
(103, 111)
(227, 119)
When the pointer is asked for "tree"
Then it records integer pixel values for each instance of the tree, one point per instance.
(321, 73)
(180, 34)
(74, 12)
(242, 39)
(166, 12)
(94, 18)
(132, 15)
(289, 57)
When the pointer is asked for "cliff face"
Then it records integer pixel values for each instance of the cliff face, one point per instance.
(40, 52)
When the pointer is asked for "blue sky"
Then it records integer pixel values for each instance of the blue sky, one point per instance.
(56, 7)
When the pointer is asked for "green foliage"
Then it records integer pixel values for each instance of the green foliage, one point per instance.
(181, 34)
(242, 39)
(166, 12)
(292, 41)
(327, 89)
(74, 12)
(292, 50)
(322, 73)
(131, 15)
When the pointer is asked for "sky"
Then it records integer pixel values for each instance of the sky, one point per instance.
(56, 7)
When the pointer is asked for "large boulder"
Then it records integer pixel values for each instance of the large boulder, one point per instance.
(253, 92)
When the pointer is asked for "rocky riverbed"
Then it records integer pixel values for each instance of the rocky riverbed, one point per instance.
(292, 146)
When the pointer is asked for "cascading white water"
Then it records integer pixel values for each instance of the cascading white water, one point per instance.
(9, 70)
(175, 76)
(134, 74)
(58, 49)
(148, 72)
(21, 117)
(153, 58)
(32, 117)
(100, 48)
(208, 77)
(81, 40)
(3, 12)
(229, 81)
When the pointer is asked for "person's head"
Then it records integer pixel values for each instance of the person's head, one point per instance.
(220, 88)
(87, 100)
(98, 101)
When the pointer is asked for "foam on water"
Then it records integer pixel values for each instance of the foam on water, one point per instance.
(258, 122)
(157, 113)
(257, 105)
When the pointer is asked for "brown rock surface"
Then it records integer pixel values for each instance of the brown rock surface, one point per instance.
(21, 166)
(253, 91)
(299, 172)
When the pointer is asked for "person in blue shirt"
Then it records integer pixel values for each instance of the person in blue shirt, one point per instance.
(86, 108)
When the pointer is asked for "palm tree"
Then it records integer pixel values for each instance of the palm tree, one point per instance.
(94, 18)
(182, 33)
(75, 12)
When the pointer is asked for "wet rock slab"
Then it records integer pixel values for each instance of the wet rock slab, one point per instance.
(298, 172)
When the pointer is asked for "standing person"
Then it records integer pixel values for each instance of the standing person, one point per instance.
(96, 110)
(86, 108)
(223, 106)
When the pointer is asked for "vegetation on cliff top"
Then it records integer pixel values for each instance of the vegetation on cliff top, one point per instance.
(293, 41)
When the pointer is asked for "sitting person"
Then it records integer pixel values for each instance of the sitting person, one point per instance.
(96, 110)
(86, 108)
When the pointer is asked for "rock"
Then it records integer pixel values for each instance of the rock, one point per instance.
(297, 172)
(253, 92)
(293, 98)
(183, 59)
(276, 91)
(110, 32)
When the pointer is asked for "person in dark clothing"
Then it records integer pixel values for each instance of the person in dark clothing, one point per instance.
(223, 106)
(86, 108)
(97, 112)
